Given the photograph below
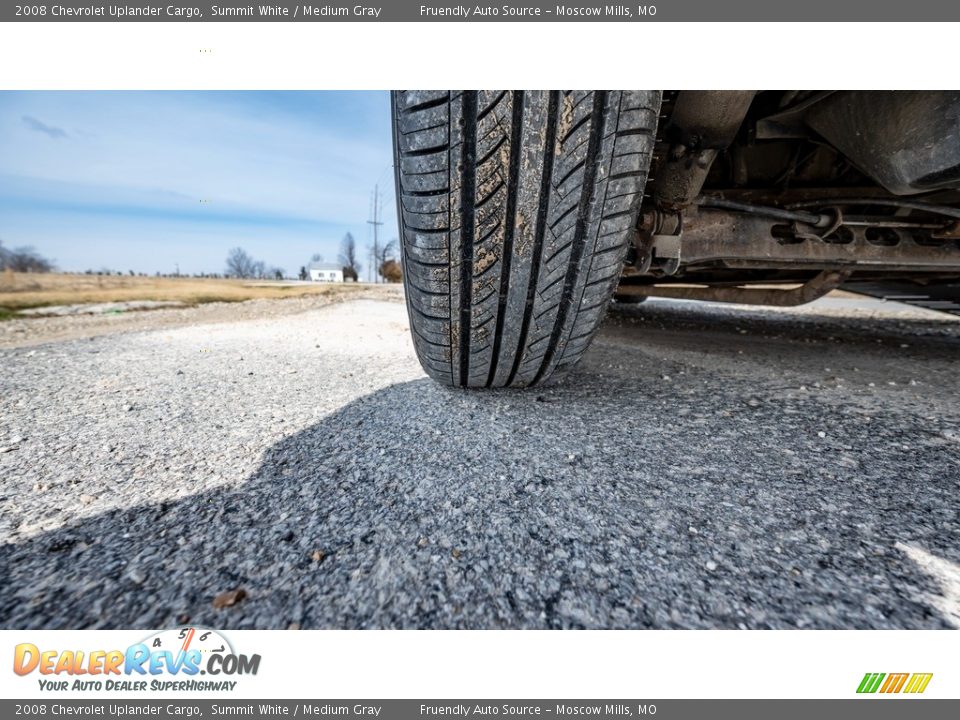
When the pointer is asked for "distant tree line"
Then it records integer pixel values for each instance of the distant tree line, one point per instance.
(383, 259)
(241, 265)
(108, 272)
(24, 259)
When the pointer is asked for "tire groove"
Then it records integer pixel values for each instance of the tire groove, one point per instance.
(579, 124)
(467, 199)
(428, 293)
(426, 193)
(632, 173)
(420, 152)
(593, 257)
(483, 324)
(486, 111)
(487, 269)
(558, 251)
(423, 129)
(493, 192)
(563, 216)
(450, 208)
(426, 231)
(428, 316)
(544, 312)
(493, 151)
(513, 189)
(486, 297)
(550, 139)
(605, 278)
(421, 263)
(551, 284)
(604, 251)
(571, 172)
(427, 104)
(576, 253)
(594, 324)
(427, 340)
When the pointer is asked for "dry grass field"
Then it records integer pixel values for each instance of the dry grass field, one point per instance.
(19, 291)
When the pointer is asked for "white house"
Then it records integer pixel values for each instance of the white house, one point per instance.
(325, 272)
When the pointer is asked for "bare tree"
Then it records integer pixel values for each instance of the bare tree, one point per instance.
(24, 259)
(348, 256)
(240, 264)
(391, 271)
(385, 253)
(316, 258)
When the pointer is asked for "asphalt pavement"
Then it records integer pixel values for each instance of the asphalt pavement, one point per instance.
(704, 467)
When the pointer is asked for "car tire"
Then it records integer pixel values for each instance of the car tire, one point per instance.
(516, 209)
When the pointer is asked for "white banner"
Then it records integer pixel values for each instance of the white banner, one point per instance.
(478, 664)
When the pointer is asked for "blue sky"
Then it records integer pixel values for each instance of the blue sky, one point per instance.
(144, 181)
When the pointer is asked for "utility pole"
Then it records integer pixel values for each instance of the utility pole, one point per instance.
(376, 223)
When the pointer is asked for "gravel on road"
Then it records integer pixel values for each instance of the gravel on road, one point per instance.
(704, 467)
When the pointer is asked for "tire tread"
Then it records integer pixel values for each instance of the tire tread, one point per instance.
(515, 210)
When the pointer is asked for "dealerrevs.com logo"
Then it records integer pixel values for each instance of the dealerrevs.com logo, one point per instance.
(889, 683)
(169, 660)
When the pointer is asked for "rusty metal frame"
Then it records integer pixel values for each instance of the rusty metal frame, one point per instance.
(702, 124)
(814, 288)
(739, 240)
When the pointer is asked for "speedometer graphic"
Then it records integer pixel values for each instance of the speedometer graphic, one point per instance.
(181, 640)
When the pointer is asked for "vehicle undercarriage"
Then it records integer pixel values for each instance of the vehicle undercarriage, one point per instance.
(819, 189)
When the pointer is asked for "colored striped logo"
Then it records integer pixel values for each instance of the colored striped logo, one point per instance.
(894, 682)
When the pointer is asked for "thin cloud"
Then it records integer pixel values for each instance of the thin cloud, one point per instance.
(182, 177)
(41, 127)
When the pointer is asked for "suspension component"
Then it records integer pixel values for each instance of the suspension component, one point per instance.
(703, 123)
(712, 237)
(816, 287)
